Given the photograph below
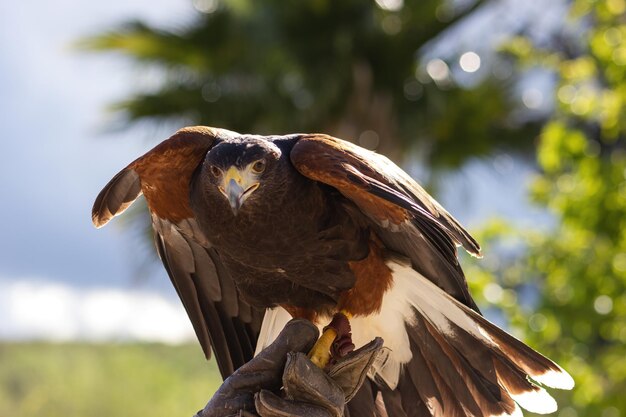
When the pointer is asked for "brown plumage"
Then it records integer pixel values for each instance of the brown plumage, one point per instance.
(372, 279)
(315, 225)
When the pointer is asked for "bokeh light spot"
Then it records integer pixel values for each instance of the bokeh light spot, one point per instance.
(603, 304)
(619, 56)
(444, 12)
(617, 7)
(509, 298)
(566, 183)
(492, 293)
(619, 262)
(470, 61)
(206, 6)
(391, 5)
(503, 164)
(532, 98)
(211, 92)
(613, 36)
(413, 90)
(564, 294)
(369, 139)
(392, 24)
(567, 94)
(537, 322)
(581, 105)
(437, 69)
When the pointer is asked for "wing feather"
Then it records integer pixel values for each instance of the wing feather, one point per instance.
(116, 197)
(405, 217)
(222, 321)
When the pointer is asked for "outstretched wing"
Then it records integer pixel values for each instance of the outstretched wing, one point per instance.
(221, 320)
(460, 363)
(407, 219)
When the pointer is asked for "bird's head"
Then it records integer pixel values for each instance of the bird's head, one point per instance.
(238, 168)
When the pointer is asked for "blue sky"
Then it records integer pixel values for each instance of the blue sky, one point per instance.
(55, 158)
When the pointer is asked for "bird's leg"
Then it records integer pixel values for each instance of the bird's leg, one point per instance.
(335, 341)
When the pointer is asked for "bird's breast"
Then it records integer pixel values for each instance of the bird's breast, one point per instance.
(289, 262)
(294, 250)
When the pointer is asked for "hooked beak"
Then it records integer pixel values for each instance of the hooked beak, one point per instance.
(237, 187)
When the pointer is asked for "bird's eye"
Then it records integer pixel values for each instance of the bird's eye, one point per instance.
(259, 166)
(215, 171)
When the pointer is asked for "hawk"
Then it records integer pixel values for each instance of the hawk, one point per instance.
(254, 230)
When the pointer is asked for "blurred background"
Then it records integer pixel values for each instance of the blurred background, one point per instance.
(511, 113)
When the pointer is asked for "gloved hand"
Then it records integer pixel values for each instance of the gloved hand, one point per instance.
(255, 388)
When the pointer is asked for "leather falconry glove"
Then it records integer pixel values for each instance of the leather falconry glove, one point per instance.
(281, 381)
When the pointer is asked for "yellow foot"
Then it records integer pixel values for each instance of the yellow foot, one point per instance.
(320, 354)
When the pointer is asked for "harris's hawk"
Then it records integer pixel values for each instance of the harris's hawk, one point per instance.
(251, 228)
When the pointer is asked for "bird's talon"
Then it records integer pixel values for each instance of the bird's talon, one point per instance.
(320, 354)
(342, 346)
(343, 342)
(334, 343)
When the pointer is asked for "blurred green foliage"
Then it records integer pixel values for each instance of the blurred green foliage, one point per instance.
(574, 274)
(340, 67)
(121, 380)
